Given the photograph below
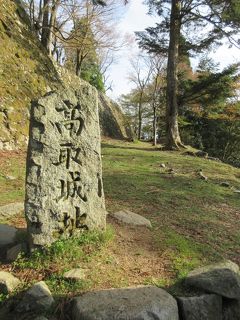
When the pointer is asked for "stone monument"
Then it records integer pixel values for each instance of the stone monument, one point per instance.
(64, 191)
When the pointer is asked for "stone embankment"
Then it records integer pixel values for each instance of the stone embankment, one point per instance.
(216, 297)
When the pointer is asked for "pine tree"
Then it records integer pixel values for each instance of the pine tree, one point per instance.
(203, 24)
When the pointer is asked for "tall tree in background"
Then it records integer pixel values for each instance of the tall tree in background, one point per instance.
(202, 23)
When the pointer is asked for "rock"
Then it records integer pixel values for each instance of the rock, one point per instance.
(38, 299)
(11, 209)
(220, 278)
(236, 191)
(8, 282)
(75, 274)
(205, 307)
(231, 310)
(7, 235)
(162, 165)
(14, 251)
(136, 303)
(201, 154)
(132, 218)
(10, 178)
(64, 191)
(225, 184)
(202, 176)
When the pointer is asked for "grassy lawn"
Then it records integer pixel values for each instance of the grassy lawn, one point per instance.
(195, 222)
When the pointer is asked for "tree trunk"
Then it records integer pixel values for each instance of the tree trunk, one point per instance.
(173, 140)
(154, 125)
(45, 23)
(140, 117)
(155, 112)
(79, 60)
(52, 25)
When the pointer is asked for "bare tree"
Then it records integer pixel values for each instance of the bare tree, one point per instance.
(157, 88)
(141, 74)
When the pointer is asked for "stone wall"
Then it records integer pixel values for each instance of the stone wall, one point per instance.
(215, 296)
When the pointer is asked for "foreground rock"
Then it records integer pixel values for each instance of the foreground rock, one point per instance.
(38, 299)
(206, 307)
(140, 303)
(8, 282)
(11, 209)
(7, 235)
(132, 218)
(13, 252)
(231, 310)
(221, 279)
(64, 191)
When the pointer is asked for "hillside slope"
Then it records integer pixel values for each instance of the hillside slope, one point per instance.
(195, 222)
(26, 73)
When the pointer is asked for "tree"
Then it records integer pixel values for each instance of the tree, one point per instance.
(157, 90)
(45, 16)
(142, 68)
(202, 23)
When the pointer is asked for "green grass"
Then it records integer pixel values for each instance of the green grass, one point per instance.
(12, 190)
(194, 222)
(194, 219)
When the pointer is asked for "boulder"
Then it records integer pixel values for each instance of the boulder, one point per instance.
(136, 303)
(206, 307)
(231, 310)
(37, 298)
(132, 218)
(8, 282)
(221, 279)
(14, 251)
(7, 235)
(75, 274)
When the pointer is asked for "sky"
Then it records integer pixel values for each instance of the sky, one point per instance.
(135, 18)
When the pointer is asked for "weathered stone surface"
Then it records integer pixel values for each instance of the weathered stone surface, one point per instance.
(7, 235)
(8, 282)
(205, 307)
(11, 209)
(140, 303)
(37, 298)
(64, 192)
(220, 278)
(231, 310)
(132, 218)
(75, 274)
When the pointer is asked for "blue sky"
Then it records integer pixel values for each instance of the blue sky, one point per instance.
(135, 18)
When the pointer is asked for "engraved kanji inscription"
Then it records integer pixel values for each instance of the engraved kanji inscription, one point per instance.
(73, 123)
(68, 153)
(72, 187)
